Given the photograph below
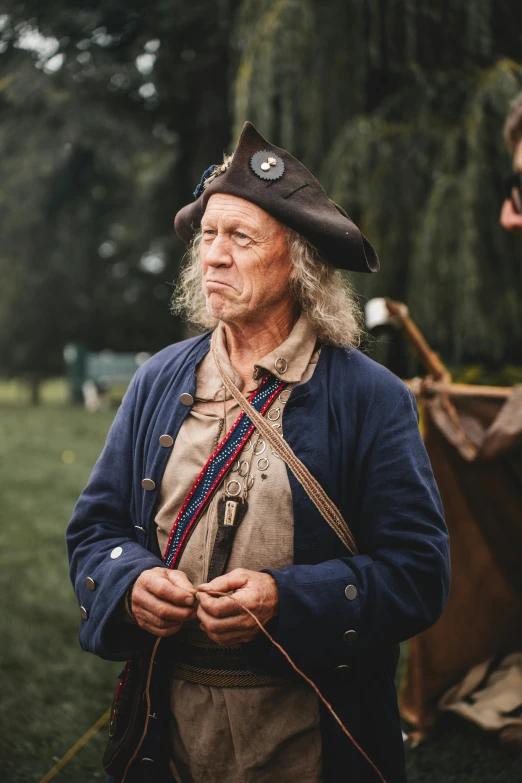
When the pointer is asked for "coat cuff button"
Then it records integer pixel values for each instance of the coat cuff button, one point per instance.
(91, 584)
(350, 636)
(351, 592)
(84, 613)
(186, 399)
(148, 483)
(116, 552)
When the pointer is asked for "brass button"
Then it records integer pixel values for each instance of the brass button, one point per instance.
(84, 613)
(91, 584)
(116, 552)
(148, 484)
(350, 636)
(166, 440)
(281, 365)
(351, 592)
(186, 399)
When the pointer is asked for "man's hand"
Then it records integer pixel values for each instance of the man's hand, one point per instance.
(160, 602)
(223, 620)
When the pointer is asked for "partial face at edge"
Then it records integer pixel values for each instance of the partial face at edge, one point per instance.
(245, 261)
(509, 219)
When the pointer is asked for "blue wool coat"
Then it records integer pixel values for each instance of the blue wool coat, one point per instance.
(355, 426)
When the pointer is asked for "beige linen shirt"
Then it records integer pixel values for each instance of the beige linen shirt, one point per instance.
(240, 734)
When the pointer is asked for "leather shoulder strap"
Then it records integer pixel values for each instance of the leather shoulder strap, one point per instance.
(314, 490)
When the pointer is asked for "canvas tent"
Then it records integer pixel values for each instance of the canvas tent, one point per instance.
(473, 435)
(477, 462)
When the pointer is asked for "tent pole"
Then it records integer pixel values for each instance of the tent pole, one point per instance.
(429, 358)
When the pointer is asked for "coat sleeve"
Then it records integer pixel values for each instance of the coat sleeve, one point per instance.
(356, 606)
(102, 545)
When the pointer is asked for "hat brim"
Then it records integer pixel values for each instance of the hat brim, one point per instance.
(295, 198)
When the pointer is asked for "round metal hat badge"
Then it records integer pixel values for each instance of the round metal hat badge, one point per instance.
(267, 165)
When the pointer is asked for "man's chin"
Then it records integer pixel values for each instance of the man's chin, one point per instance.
(221, 308)
(218, 311)
(226, 314)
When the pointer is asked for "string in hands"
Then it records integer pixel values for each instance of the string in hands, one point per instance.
(220, 594)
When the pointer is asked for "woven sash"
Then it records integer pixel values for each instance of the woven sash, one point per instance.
(198, 659)
(216, 467)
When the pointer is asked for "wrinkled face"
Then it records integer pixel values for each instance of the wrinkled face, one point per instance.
(245, 261)
(509, 218)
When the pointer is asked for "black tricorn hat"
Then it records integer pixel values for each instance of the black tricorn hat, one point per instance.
(278, 183)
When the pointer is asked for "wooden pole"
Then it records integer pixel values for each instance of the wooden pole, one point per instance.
(423, 385)
(429, 358)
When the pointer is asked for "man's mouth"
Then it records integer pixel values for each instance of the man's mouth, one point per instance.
(211, 283)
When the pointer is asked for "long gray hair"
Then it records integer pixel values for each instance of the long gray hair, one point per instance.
(321, 292)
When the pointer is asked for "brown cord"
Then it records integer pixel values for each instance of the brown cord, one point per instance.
(147, 698)
(283, 652)
(300, 673)
(316, 493)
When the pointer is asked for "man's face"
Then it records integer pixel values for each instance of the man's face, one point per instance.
(509, 218)
(245, 261)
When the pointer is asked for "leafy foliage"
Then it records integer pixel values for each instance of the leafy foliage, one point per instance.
(111, 111)
(398, 106)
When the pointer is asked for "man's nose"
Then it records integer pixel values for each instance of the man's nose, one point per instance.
(509, 219)
(218, 253)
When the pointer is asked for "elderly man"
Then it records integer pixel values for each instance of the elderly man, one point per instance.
(188, 497)
(511, 213)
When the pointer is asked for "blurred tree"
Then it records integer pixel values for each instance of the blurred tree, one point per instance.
(110, 113)
(398, 105)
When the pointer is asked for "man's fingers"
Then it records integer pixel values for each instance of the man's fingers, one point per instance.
(220, 606)
(149, 619)
(232, 581)
(228, 638)
(161, 584)
(158, 626)
(215, 625)
(180, 580)
(164, 611)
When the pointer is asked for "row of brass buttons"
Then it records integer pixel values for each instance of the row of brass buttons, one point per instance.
(92, 584)
(350, 593)
(167, 441)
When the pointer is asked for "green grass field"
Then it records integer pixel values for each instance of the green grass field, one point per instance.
(52, 692)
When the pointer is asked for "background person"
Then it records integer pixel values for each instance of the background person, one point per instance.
(511, 213)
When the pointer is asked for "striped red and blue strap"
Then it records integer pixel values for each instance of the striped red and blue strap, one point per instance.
(216, 467)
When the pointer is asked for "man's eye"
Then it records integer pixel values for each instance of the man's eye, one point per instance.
(208, 232)
(242, 237)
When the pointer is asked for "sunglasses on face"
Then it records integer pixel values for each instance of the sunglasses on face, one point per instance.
(513, 191)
